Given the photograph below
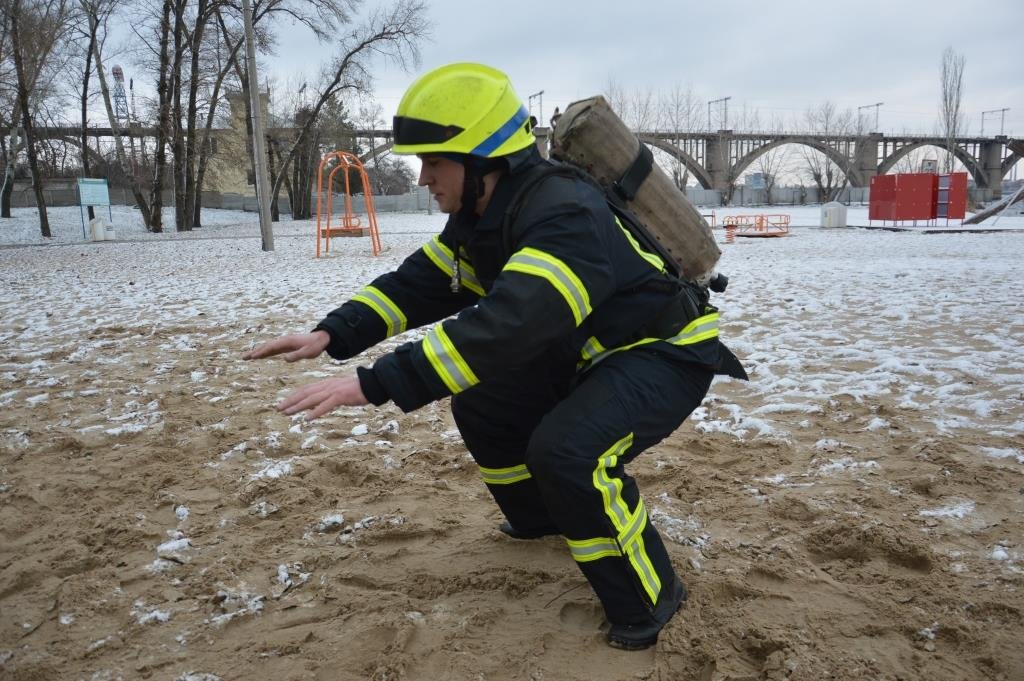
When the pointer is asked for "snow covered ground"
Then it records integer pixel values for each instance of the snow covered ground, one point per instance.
(855, 506)
(66, 222)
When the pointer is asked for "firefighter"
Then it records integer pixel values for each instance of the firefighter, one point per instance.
(570, 351)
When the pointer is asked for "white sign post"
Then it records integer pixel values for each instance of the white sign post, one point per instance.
(93, 192)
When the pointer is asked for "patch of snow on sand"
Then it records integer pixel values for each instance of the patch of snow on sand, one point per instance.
(958, 511)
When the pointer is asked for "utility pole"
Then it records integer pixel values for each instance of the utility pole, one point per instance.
(725, 105)
(869, 106)
(1002, 119)
(259, 148)
(724, 101)
(538, 95)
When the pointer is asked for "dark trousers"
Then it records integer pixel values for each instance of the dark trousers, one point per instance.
(552, 447)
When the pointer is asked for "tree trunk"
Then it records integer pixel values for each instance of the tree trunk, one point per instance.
(192, 206)
(163, 118)
(275, 212)
(275, 148)
(205, 145)
(86, 171)
(115, 128)
(178, 139)
(23, 87)
(11, 156)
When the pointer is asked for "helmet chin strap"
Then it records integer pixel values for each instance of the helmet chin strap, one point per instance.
(472, 190)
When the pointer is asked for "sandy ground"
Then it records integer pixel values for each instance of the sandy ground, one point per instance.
(855, 512)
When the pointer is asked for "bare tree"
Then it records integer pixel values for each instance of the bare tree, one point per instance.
(90, 35)
(951, 112)
(36, 29)
(392, 33)
(680, 112)
(638, 109)
(828, 123)
(8, 104)
(775, 162)
(369, 118)
(226, 50)
(97, 13)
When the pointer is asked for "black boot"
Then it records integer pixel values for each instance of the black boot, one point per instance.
(645, 634)
(536, 533)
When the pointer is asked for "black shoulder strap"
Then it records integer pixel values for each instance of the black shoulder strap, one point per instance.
(628, 185)
(625, 186)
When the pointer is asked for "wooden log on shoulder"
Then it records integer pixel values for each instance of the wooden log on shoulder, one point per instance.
(590, 135)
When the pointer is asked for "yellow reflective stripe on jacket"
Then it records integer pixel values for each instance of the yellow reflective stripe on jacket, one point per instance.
(556, 273)
(392, 315)
(655, 262)
(700, 329)
(584, 550)
(505, 476)
(628, 525)
(442, 256)
(447, 361)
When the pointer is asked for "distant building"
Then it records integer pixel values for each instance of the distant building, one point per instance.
(229, 170)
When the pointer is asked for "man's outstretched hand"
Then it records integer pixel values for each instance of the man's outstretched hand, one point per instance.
(295, 347)
(324, 396)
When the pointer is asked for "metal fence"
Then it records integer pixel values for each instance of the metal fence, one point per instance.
(419, 199)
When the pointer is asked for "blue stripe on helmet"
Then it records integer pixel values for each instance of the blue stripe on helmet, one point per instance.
(502, 134)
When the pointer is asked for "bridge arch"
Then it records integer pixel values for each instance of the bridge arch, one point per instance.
(1010, 161)
(702, 176)
(381, 149)
(842, 162)
(970, 163)
(1016, 148)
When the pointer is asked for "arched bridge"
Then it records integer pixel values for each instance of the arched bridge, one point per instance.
(717, 159)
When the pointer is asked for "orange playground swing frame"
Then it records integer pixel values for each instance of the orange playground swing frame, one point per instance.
(351, 225)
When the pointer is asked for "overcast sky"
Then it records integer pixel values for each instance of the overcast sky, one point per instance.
(778, 57)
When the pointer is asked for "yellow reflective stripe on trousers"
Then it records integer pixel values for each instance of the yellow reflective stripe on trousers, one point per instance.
(628, 525)
(442, 256)
(592, 348)
(700, 329)
(556, 273)
(655, 262)
(392, 315)
(505, 476)
(447, 361)
(584, 550)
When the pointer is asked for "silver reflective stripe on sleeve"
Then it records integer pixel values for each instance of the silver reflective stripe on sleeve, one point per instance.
(392, 315)
(447, 362)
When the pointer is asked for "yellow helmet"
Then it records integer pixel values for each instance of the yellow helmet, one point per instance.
(462, 109)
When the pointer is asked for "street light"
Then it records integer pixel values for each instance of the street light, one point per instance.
(536, 95)
(868, 106)
(724, 101)
(1002, 118)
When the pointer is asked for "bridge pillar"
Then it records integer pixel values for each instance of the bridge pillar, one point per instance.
(716, 162)
(992, 165)
(865, 159)
(543, 136)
